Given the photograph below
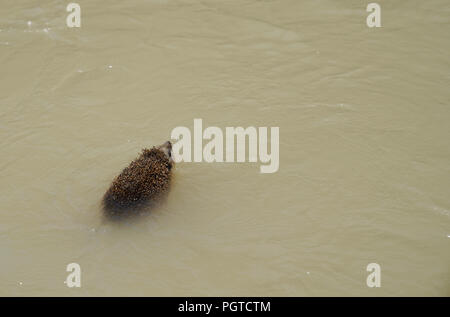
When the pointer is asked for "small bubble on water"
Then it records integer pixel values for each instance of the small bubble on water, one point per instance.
(29, 23)
(20, 283)
(109, 66)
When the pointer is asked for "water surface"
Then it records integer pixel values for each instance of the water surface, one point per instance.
(364, 147)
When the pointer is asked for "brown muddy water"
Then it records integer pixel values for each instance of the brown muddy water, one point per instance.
(364, 147)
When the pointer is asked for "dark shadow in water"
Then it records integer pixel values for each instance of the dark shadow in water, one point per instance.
(131, 212)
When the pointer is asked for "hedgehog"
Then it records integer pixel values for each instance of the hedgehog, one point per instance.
(145, 181)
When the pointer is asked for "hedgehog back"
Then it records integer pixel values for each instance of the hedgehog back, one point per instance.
(144, 180)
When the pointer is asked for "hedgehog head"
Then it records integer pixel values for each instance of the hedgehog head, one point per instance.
(166, 148)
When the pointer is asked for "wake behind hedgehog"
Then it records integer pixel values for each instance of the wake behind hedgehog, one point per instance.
(141, 184)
